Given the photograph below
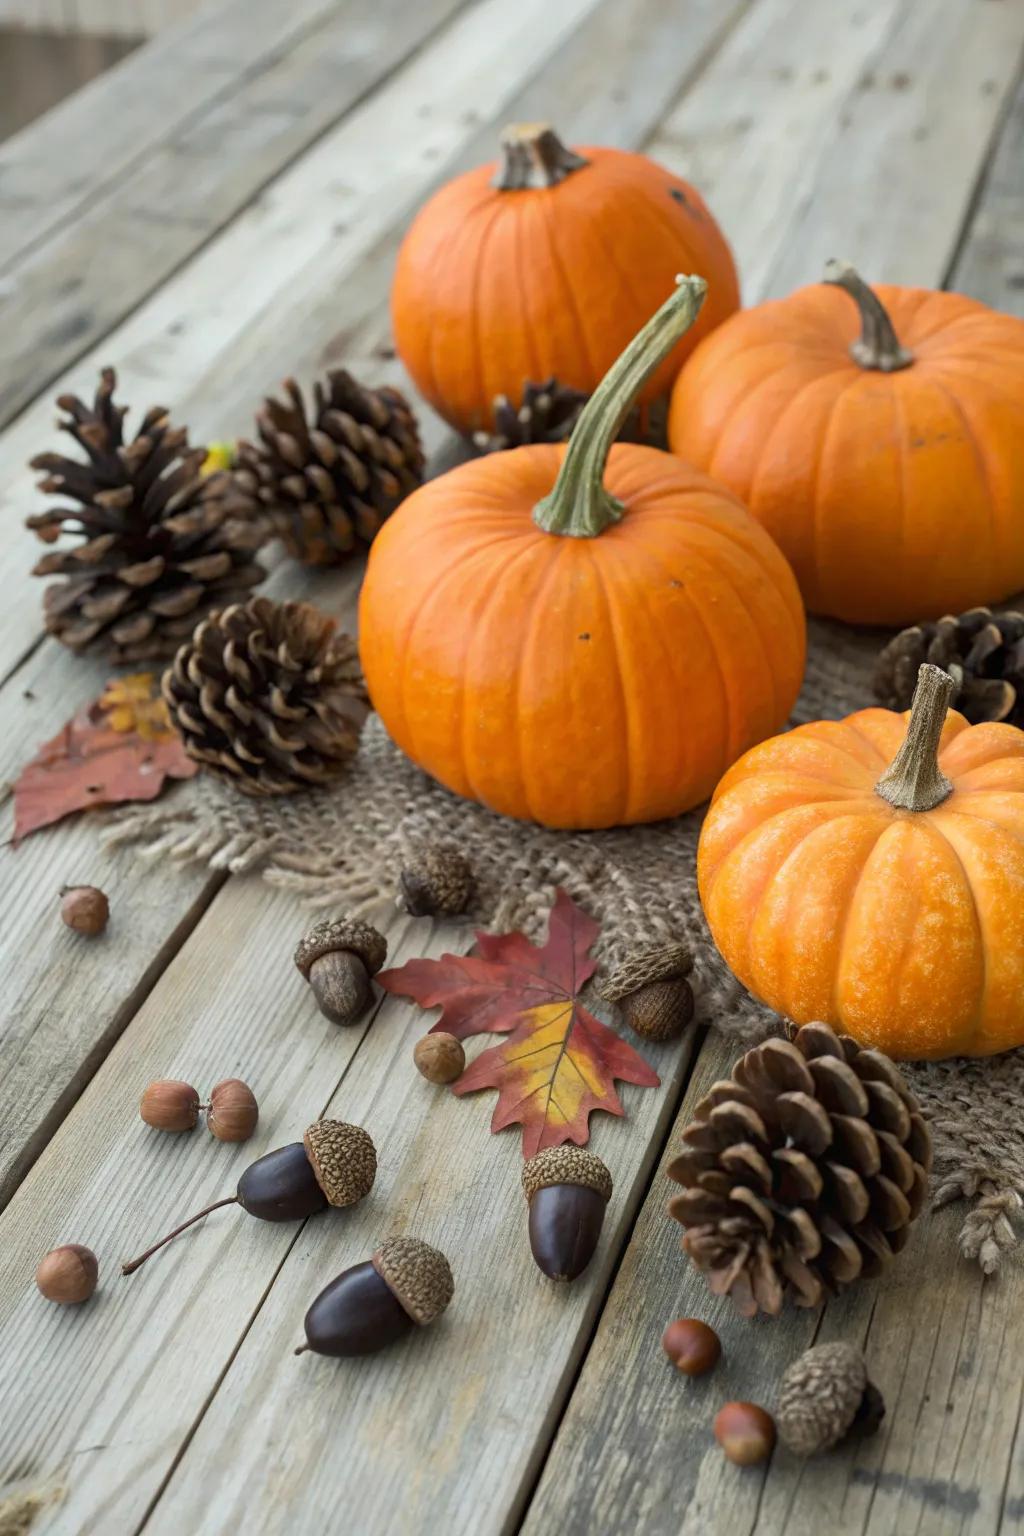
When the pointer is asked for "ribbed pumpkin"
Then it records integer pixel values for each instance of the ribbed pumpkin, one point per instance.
(889, 468)
(584, 636)
(884, 900)
(547, 264)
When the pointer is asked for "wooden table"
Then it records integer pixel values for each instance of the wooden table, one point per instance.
(221, 209)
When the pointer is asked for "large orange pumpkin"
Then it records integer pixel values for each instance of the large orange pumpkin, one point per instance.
(885, 900)
(547, 265)
(584, 636)
(889, 469)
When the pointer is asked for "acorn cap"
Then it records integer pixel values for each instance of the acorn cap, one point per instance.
(344, 1160)
(820, 1396)
(647, 963)
(418, 1276)
(566, 1165)
(345, 933)
(436, 879)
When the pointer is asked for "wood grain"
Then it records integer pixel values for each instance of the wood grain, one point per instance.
(990, 264)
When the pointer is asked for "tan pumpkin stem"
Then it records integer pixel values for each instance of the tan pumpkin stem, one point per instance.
(878, 346)
(579, 506)
(913, 782)
(532, 155)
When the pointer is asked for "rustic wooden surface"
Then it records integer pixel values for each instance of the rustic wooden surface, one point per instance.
(890, 132)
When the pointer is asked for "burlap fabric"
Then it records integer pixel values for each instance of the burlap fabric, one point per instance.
(343, 849)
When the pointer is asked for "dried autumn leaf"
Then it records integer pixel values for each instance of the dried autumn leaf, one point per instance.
(559, 1063)
(121, 747)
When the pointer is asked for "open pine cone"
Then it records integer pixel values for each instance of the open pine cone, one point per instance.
(802, 1172)
(982, 651)
(269, 696)
(160, 545)
(329, 481)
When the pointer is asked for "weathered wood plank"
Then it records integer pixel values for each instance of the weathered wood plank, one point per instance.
(991, 263)
(98, 267)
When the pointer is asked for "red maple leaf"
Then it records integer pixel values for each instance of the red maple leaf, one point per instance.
(558, 1063)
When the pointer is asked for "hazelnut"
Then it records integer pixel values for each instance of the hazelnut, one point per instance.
(337, 958)
(745, 1432)
(232, 1112)
(68, 1274)
(691, 1345)
(439, 1058)
(84, 908)
(168, 1105)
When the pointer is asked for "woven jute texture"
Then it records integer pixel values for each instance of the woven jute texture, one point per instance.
(343, 848)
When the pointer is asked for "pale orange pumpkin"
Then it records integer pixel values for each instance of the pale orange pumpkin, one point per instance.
(887, 901)
(889, 468)
(581, 637)
(547, 264)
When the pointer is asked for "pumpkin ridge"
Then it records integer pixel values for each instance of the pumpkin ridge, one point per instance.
(599, 576)
(476, 350)
(935, 830)
(768, 437)
(537, 616)
(856, 379)
(848, 909)
(548, 220)
(872, 745)
(740, 404)
(996, 519)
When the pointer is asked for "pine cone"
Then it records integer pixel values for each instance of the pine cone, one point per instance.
(982, 651)
(802, 1172)
(548, 412)
(161, 546)
(268, 696)
(329, 483)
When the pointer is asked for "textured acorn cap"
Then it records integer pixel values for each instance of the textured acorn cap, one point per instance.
(436, 880)
(418, 1276)
(820, 1396)
(647, 963)
(336, 933)
(566, 1165)
(344, 1160)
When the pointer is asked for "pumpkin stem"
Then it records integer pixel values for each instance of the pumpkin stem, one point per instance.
(579, 506)
(879, 346)
(532, 155)
(912, 782)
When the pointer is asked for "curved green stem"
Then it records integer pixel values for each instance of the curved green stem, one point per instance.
(579, 506)
(878, 346)
(913, 781)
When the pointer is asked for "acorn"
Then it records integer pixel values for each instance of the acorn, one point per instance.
(440, 1057)
(746, 1433)
(651, 988)
(68, 1274)
(437, 882)
(169, 1105)
(84, 908)
(406, 1284)
(824, 1396)
(567, 1189)
(232, 1112)
(333, 1164)
(337, 958)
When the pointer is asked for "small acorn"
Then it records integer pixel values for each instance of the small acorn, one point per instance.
(232, 1112)
(440, 1058)
(824, 1396)
(68, 1274)
(745, 1432)
(84, 908)
(334, 1164)
(567, 1189)
(436, 882)
(693, 1347)
(169, 1105)
(337, 958)
(406, 1284)
(651, 988)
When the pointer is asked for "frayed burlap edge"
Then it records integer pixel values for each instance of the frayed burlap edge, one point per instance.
(344, 849)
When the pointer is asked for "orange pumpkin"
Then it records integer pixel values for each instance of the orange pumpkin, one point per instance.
(547, 265)
(584, 636)
(884, 900)
(889, 469)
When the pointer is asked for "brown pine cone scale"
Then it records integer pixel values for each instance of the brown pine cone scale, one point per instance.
(802, 1172)
(982, 651)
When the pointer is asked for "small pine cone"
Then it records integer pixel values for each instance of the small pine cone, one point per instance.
(547, 413)
(824, 1396)
(802, 1172)
(437, 881)
(268, 696)
(328, 481)
(651, 988)
(983, 652)
(161, 545)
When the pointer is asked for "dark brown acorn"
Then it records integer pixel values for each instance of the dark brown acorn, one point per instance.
(334, 1164)
(567, 1189)
(407, 1284)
